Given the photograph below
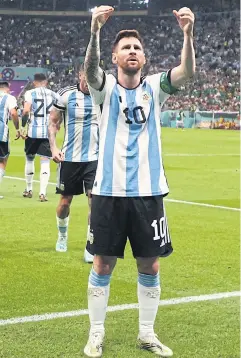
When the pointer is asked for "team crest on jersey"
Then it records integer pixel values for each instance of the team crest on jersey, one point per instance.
(146, 97)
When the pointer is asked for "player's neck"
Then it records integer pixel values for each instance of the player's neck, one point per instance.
(127, 80)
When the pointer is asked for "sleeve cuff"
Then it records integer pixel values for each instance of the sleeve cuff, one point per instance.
(60, 108)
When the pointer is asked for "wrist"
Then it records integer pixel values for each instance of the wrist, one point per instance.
(53, 147)
(188, 34)
(94, 32)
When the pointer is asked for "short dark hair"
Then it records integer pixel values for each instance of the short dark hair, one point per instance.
(39, 77)
(126, 33)
(4, 84)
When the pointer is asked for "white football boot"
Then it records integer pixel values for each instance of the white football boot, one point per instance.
(94, 345)
(151, 343)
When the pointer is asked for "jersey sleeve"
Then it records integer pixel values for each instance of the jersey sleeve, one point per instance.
(28, 97)
(98, 96)
(59, 102)
(12, 103)
(161, 82)
(165, 83)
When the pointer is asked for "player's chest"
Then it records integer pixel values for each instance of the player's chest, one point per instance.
(133, 106)
(80, 109)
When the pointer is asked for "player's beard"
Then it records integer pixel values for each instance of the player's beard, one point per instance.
(131, 71)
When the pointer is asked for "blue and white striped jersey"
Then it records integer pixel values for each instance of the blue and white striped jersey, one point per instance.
(7, 103)
(42, 100)
(130, 155)
(81, 125)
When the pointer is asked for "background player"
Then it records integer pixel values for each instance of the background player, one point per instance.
(37, 105)
(130, 180)
(8, 110)
(180, 119)
(78, 156)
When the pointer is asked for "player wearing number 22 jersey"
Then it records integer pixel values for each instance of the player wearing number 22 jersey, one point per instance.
(37, 106)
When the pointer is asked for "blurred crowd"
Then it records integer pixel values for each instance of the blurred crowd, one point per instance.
(154, 7)
(60, 44)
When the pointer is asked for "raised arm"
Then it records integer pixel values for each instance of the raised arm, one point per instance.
(94, 74)
(55, 119)
(186, 70)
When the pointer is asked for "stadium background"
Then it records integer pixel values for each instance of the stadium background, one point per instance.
(202, 169)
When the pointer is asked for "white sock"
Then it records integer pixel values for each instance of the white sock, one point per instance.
(44, 175)
(98, 295)
(29, 173)
(62, 225)
(149, 291)
(2, 172)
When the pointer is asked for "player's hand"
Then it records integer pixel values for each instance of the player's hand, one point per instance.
(185, 18)
(23, 133)
(57, 155)
(100, 16)
(18, 134)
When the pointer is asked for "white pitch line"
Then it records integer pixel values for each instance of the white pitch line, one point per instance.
(22, 179)
(201, 155)
(84, 312)
(202, 204)
(169, 200)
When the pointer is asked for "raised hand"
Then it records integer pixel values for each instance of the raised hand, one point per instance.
(185, 18)
(100, 16)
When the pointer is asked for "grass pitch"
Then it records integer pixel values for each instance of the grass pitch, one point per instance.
(201, 166)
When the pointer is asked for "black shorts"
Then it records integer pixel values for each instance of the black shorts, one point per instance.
(74, 177)
(38, 146)
(4, 149)
(141, 219)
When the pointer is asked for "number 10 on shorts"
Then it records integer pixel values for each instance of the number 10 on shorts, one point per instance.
(161, 231)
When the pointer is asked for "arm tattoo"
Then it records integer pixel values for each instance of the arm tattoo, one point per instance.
(55, 120)
(94, 74)
(25, 119)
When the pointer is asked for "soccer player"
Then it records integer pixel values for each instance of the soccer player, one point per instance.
(8, 109)
(78, 157)
(130, 182)
(37, 106)
(180, 120)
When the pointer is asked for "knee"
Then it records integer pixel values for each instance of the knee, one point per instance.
(148, 266)
(63, 209)
(45, 165)
(30, 157)
(44, 160)
(104, 266)
(29, 167)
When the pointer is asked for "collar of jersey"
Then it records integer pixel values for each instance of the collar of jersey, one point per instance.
(130, 89)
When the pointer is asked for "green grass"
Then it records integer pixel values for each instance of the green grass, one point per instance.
(34, 279)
